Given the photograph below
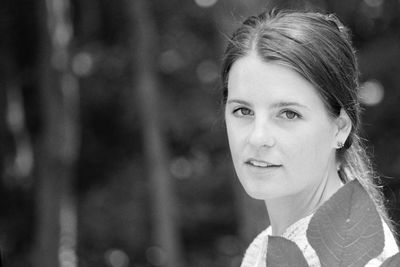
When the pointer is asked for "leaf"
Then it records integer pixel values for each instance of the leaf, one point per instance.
(393, 261)
(282, 252)
(347, 229)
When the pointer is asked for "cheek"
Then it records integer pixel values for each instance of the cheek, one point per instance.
(234, 138)
(236, 132)
(309, 148)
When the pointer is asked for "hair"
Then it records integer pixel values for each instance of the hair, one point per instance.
(318, 47)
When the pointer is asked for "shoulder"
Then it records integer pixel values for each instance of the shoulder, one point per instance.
(389, 249)
(256, 251)
(298, 234)
(390, 241)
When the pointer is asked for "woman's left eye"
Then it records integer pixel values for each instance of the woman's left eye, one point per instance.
(290, 115)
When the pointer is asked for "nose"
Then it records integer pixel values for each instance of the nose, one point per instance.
(262, 134)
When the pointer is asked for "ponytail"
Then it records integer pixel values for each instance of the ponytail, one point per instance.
(356, 164)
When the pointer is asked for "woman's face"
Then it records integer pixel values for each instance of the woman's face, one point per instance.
(281, 138)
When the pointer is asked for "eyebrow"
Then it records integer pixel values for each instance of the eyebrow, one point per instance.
(238, 101)
(289, 104)
(275, 105)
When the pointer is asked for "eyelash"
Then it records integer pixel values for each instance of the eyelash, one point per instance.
(239, 112)
(296, 115)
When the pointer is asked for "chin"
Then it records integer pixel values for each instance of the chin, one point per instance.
(259, 193)
(260, 188)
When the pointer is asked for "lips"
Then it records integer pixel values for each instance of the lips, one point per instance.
(261, 163)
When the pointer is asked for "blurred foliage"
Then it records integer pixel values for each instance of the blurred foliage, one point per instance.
(111, 186)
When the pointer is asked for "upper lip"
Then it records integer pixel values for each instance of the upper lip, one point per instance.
(261, 162)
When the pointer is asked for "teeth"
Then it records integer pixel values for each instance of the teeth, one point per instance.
(259, 163)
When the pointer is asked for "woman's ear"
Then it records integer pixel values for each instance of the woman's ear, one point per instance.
(344, 125)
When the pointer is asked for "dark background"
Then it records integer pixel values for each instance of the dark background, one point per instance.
(112, 144)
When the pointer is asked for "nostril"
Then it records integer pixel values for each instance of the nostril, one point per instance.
(261, 139)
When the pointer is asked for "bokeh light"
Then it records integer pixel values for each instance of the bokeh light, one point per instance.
(117, 258)
(68, 236)
(207, 71)
(24, 159)
(181, 168)
(206, 3)
(170, 61)
(374, 3)
(371, 92)
(229, 245)
(372, 9)
(156, 256)
(23, 162)
(82, 64)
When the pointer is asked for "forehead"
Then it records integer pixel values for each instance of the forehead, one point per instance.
(252, 79)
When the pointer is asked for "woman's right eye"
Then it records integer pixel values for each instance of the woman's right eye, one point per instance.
(242, 112)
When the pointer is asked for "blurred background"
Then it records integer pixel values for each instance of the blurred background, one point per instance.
(112, 143)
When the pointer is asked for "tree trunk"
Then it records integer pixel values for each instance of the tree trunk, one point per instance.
(56, 150)
(3, 129)
(143, 42)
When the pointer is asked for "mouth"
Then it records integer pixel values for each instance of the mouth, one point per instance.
(261, 163)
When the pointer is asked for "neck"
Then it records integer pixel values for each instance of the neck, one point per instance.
(285, 211)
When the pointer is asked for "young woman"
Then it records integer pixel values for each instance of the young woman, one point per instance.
(290, 83)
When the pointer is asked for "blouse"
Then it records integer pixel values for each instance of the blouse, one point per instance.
(256, 253)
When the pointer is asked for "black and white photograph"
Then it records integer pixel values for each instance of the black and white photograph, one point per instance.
(199, 133)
